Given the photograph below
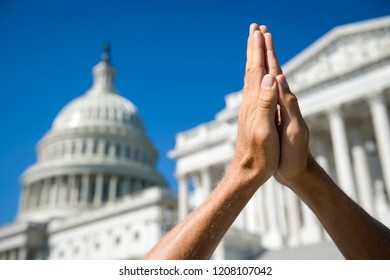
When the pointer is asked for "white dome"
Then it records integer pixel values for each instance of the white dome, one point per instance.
(99, 110)
(100, 106)
(96, 152)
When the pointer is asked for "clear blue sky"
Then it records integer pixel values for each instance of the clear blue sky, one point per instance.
(176, 61)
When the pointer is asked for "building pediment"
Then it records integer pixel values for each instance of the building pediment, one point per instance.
(341, 51)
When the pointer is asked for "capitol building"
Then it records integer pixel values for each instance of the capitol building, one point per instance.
(95, 192)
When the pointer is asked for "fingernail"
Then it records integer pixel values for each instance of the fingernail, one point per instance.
(252, 27)
(268, 81)
(283, 82)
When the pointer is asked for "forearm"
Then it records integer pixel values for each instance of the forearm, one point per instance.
(197, 236)
(354, 231)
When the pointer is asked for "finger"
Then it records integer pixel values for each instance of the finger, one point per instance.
(263, 29)
(252, 28)
(267, 100)
(258, 55)
(251, 86)
(255, 69)
(290, 112)
(272, 63)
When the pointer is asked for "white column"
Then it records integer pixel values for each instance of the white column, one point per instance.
(97, 200)
(381, 206)
(380, 118)
(45, 192)
(280, 202)
(321, 153)
(183, 197)
(273, 238)
(29, 198)
(89, 143)
(54, 191)
(26, 196)
(39, 192)
(311, 231)
(199, 195)
(22, 255)
(125, 190)
(206, 181)
(111, 151)
(33, 194)
(112, 188)
(293, 217)
(258, 199)
(100, 150)
(362, 172)
(79, 146)
(12, 254)
(341, 153)
(252, 221)
(72, 184)
(63, 192)
(84, 189)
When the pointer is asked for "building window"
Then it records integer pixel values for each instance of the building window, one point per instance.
(105, 190)
(95, 147)
(117, 150)
(106, 148)
(127, 152)
(73, 148)
(91, 190)
(84, 147)
(144, 157)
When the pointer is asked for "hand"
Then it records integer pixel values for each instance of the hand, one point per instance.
(294, 137)
(257, 148)
(293, 131)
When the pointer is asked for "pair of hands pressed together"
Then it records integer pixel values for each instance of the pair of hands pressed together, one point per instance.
(273, 140)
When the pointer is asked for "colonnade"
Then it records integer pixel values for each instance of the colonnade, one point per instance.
(92, 147)
(14, 254)
(78, 190)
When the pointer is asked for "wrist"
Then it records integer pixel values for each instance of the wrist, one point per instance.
(296, 178)
(248, 178)
(307, 179)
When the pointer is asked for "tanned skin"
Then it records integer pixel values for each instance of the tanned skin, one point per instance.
(273, 140)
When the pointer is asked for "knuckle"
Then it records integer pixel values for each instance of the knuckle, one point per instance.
(292, 100)
(250, 70)
(276, 71)
(265, 102)
(263, 135)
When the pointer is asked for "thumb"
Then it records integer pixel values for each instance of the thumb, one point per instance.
(268, 99)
